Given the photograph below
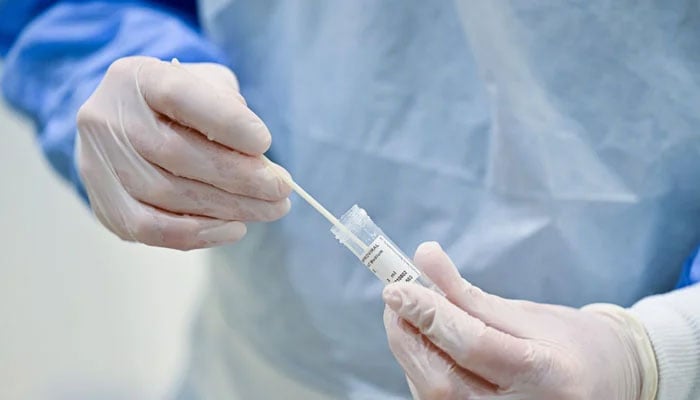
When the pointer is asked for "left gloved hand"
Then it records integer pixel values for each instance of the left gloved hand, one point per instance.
(474, 345)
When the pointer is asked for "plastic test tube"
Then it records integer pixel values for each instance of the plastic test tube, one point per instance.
(375, 250)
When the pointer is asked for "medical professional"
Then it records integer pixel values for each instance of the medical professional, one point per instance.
(553, 150)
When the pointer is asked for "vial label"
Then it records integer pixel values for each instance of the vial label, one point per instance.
(387, 262)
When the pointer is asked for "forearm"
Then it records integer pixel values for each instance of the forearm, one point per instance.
(59, 58)
(672, 321)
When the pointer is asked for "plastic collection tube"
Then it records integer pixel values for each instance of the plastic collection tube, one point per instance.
(356, 231)
(378, 253)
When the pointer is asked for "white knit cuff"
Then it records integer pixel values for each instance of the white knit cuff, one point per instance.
(672, 321)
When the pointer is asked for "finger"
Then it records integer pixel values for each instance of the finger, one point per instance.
(138, 222)
(186, 153)
(135, 221)
(431, 374)
(502, 314)
(491, 354)
(185, 196)
(214, 73)
(172, 90)
(160, 228)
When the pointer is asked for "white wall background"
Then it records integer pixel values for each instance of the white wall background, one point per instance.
(82, 314)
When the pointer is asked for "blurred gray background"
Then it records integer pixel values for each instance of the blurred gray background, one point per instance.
(82, 314)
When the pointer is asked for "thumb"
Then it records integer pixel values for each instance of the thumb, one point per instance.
(493, 355)
(502, 314)
(212, 73)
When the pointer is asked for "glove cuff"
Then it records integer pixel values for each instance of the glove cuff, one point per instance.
(640, 339)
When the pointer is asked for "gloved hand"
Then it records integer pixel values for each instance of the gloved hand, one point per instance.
(168, 153)
(473, 345)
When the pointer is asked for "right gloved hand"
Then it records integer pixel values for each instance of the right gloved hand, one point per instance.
(469, 344)
(169, 155)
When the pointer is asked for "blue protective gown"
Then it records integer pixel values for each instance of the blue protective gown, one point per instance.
(553, 150)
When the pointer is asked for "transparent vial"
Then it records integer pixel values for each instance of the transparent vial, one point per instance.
(376, 251)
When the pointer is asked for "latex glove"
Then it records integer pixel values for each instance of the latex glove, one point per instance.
(168, 153)
(473, 345)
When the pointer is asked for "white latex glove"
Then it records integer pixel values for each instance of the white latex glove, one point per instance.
(168, 153)
(473, 345)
